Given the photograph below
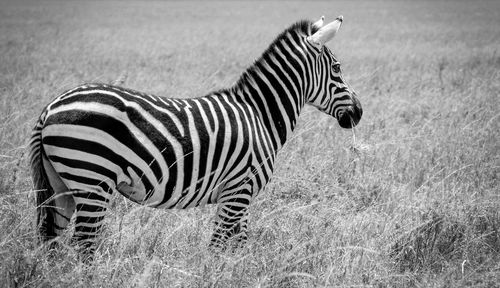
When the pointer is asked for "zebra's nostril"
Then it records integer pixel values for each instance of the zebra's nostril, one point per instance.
(345, 119)
(350, 117)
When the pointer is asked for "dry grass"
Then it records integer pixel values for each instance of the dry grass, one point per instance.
(413, 201)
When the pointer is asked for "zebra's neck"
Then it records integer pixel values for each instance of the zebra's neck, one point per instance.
(275, 86)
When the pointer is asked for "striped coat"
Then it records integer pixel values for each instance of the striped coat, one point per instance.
(98, 139)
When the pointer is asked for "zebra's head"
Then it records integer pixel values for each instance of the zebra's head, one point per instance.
(331, 93)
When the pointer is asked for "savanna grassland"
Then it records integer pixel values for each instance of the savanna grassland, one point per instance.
(409, 199)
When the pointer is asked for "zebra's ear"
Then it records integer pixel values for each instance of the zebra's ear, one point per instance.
(327, 32)
(318, 24)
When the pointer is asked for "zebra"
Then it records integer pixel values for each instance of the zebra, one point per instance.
(99, 139)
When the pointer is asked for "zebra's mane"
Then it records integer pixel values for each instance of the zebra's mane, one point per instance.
(303, 27)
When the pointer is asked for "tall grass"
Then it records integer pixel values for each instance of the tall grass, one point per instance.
(411, 200)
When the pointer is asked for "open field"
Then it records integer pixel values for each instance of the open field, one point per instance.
(411, 199)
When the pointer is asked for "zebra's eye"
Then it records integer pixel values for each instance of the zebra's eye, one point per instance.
(336, 67)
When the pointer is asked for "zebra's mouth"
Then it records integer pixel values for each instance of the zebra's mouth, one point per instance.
(351, 116)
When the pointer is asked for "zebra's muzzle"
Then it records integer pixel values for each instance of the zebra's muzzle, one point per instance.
(351, 116)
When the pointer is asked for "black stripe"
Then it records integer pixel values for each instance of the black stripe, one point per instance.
(345, 97)
(89, 208)
(87, 219)
(89, 195)
(79, 164)
(86, 229)
(87, 181)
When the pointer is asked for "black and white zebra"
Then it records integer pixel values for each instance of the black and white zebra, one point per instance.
(220, 149)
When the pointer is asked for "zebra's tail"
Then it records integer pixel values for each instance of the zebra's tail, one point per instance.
(45, 205)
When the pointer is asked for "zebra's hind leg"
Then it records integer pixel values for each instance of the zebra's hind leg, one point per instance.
(64, 209)
(59, 209)
(231, 227)
(91, 208)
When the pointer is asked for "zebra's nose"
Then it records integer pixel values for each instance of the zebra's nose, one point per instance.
(352, 115)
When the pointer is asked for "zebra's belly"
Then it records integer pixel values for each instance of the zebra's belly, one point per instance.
(137, 193)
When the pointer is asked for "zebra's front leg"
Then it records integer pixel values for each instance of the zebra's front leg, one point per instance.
(230, 227)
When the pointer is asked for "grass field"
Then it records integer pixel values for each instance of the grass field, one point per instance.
(411, 199)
